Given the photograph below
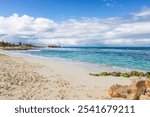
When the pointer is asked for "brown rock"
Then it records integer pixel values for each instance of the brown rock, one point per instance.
(131, 91)
(147, 84)
(134, 73)
(141, 88)
(93, 74)
(118, 91)
(147, 93)
(144, 97)
(136, 89)
(115, 74)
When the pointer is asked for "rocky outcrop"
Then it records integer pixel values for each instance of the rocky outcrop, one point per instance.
(144, 97)
(147, 85)
(135, 91)
(117, 91)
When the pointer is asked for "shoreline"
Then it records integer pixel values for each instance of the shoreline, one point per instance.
(36, 78)
(91, 67)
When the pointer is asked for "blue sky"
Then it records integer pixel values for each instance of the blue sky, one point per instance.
(76, 22)
(65, 9)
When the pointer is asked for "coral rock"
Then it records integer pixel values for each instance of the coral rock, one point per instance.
(118, 91)
(144, 97)
(136, 89)
(147, 84)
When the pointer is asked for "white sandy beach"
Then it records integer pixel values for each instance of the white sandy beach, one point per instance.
(25, 77)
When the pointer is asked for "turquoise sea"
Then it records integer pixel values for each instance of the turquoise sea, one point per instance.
(126, 57)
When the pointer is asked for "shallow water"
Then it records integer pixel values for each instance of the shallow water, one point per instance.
(126, 57)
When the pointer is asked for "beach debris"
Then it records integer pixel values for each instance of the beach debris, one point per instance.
(137, 90)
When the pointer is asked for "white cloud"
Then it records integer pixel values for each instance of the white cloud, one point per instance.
(87, 31)
(143, 13)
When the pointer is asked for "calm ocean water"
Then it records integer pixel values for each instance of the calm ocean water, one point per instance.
(128, 57)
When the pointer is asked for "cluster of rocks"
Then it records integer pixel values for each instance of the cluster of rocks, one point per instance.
(124, 74)
(137, 90)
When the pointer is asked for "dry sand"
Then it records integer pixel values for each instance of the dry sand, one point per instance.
(24, 77)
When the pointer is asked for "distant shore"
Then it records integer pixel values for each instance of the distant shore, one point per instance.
(24, 77)
(20, 46)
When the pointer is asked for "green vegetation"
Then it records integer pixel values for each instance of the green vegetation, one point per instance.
(141, 74)
(125, 75)
(134, 73)
(104, 74)
(19, 46)
(147, 74)
(6, 44)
